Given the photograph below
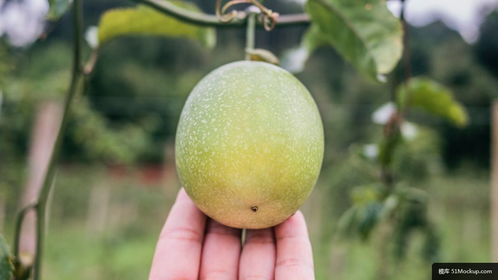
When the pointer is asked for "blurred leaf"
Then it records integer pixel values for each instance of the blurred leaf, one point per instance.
(391, 203)
(388, 146)
(143, 20)
(347, 222)
(433, 98)
(364, 32)
(57, 8)
(432, 244)
(263, 55)
(418, 157)
(6, 266)
(4, 65)
(411, 217)
(368, 218)
(411, 194)
(364, 215)
(365, 194)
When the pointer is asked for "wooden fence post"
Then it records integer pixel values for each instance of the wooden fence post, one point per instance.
(494, 183)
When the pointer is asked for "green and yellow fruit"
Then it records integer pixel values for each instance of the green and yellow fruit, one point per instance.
(249, 144)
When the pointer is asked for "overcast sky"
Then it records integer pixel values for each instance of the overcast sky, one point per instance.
(465, 16)
(22, 20)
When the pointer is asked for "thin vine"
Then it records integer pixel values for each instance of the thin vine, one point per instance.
(40, 205)
(268, 17)
(201, 19)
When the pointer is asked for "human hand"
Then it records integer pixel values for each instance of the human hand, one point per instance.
(192, 246)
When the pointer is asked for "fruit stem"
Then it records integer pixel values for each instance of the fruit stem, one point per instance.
(250, 31)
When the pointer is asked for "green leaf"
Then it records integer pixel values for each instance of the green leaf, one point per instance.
(364, 32)
(433, 98)
(432, 245)
(142, 20)
(367, 211)
(57, 8)
(369, 218)
(367, 194)
(6, 266)
(412, 216)
(347, 226)
(391, 204)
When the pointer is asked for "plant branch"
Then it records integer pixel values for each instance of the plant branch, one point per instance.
(90, 64)
(392, 129)
(19, 222)
(213, 21)
(406, 50)
(76, 79)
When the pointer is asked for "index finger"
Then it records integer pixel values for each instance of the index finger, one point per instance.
(178, 250)
(294, 254)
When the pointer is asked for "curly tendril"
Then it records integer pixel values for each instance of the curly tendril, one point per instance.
(267, 17)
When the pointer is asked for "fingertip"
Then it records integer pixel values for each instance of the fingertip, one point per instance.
(258, 256)
(179, 248)
(183, 198)
(296, 222)
(182, 195)
(221, 252)
(184, 211)
(296, 218)
(294, 252)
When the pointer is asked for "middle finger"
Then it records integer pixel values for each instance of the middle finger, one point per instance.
(257, 260)
(220, 255)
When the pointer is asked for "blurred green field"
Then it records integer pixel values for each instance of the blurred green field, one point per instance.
(113, 236)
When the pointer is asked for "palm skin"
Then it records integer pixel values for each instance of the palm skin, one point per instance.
(192, 246)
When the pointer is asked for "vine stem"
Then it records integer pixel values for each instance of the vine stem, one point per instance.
(19, 221)
(393, 126)
(392, 129)
(406, 57)
(213, 21)
(250, 33)
(76, 79)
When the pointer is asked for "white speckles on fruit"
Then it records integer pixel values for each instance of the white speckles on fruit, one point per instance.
(249, 137)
